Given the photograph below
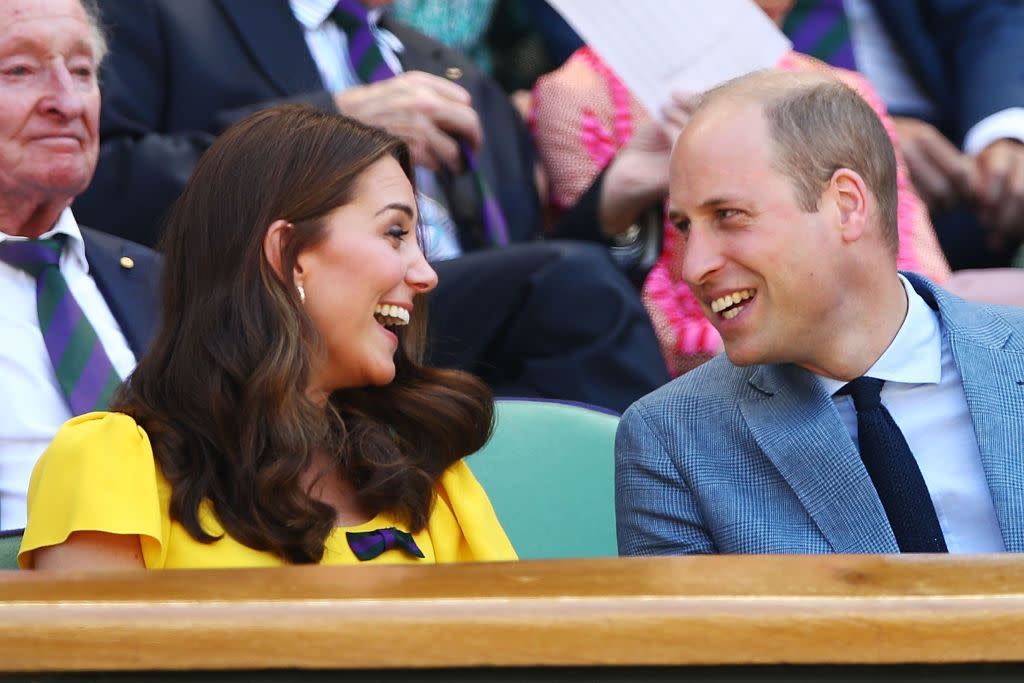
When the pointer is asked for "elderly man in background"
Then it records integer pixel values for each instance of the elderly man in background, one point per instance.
(78, 304)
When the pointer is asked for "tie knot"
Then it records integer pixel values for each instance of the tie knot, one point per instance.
(364, 54)
(350, 15)
(32, 256)
(866, 392)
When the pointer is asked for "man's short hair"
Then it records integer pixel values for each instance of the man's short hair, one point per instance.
(819, 125)
(99, 35)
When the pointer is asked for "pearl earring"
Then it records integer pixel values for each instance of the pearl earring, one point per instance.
(302, 293)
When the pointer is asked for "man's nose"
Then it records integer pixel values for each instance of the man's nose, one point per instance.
(702, 257)
(64, 95)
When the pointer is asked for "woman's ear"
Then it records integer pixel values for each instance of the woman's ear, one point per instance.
(274, 241)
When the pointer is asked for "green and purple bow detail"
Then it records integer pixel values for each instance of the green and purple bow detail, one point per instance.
(369, 544)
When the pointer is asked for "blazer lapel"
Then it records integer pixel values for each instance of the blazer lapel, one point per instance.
(126, 275)
(800, 431)
(275, 42)
(990, 357)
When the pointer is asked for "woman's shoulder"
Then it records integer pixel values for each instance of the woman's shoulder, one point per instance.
(458, 477)
(109, 431)
(462, 494)
(101, 420)
(98, 474)
(463, 524)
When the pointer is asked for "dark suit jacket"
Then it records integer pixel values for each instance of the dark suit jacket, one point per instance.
(181, 71)
(968, 55)
(129, 290)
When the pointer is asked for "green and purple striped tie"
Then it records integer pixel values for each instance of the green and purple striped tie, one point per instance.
(352, 17)
(83, 369)
(820, 28)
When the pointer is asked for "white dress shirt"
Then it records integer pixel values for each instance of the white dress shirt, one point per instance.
(32, 406)
(924, 393)
(881, 63)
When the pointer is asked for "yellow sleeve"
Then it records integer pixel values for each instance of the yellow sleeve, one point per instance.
(98, 474)
(463, 526)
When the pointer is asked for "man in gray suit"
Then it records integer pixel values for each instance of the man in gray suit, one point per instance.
(784, 186)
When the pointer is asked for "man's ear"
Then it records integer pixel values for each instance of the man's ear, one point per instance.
(852, 200)
(274, 241)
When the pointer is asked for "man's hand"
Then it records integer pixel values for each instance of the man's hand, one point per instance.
(678, 111)
(427, 111)
(638, 175)
(998, 189)
(941, 173)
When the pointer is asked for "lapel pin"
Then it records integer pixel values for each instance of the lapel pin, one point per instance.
(127, 262)
(453, 73)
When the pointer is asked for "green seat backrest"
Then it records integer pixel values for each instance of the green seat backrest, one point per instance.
(549, 470)
(10, 542)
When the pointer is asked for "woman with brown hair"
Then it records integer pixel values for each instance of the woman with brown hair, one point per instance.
(281, 415)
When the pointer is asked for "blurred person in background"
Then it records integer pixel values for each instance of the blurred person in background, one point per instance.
(79, 305)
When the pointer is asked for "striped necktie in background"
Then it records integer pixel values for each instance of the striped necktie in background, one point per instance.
(83, 369)
(364, 53)
(819, 28)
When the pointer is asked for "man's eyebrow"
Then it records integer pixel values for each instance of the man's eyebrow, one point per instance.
(718, 201)
(25, 46)
(676, 217)
(16, 44)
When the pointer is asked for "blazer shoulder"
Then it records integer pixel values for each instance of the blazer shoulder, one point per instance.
(986, 324)
(420, 51)
(713, 386)
(113, 246)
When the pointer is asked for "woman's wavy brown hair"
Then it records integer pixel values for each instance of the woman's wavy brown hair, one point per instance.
(222, 391)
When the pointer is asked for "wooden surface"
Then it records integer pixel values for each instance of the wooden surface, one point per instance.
(604, 612)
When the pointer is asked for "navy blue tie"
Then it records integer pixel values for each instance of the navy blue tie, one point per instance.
(893, 471)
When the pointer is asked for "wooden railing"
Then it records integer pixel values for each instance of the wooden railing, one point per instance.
(640, 612)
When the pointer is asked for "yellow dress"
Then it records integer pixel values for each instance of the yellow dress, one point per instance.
(99, 474)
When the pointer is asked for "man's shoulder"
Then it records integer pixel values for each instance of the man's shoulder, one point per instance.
(711, 386)
(420, 51)
(977, 321)
(98, 242)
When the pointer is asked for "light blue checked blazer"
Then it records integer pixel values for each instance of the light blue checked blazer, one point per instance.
(757, 460)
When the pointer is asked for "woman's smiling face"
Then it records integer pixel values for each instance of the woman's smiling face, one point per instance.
(361, 279)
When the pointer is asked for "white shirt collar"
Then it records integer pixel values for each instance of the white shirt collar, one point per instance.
(312, 13)
(74, 247)
(914, 356)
